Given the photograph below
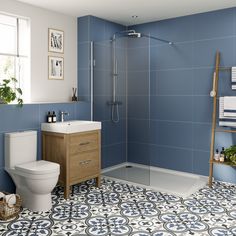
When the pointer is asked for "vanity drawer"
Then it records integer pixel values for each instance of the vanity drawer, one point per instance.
(83, 142)
(84, 164)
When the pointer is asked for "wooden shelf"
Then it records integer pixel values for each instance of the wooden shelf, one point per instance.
(227, 163)
(225, 130)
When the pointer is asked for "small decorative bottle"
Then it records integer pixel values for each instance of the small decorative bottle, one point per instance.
(54, 117)
(49, 117)
(217, 155)
(222, 155)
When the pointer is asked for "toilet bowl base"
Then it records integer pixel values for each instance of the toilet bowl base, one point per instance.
(35, 202)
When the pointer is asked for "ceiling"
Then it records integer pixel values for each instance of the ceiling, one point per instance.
(121, 11)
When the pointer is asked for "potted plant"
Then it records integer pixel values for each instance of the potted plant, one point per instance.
(9, 92)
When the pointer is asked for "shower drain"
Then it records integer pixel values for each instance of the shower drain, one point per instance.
(128, 166)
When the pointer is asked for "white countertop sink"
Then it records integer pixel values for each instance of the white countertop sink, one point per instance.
(70, 127)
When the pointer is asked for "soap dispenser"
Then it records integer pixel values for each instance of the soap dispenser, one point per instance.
(49, 117)
(54, 117)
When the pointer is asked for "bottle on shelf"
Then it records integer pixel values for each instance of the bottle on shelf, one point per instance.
(49, 117)
(217, 155)
(222, 155)
(54, 117)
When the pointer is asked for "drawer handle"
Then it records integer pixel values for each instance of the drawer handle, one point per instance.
(85, 162)
(85, 143)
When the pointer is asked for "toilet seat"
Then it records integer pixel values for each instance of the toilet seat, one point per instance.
(38, 167)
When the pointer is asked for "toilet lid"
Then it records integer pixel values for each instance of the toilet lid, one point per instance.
(39, 167)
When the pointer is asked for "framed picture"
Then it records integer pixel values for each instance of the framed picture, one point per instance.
(55, 40)
(55, 68)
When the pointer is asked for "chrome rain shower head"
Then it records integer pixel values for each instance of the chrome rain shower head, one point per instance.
(134, 35)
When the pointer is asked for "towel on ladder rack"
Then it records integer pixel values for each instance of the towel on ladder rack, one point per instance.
(230, 106)
(227, 118)
(233, 78)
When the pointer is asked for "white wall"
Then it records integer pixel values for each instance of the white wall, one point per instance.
(42, 89)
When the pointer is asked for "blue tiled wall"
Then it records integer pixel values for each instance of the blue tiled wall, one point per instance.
(30, 117)
(100, 32)
(181, 79)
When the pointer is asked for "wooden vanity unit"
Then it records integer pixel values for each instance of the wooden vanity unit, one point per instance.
(78, 155)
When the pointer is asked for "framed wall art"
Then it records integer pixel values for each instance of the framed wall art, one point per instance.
(55, 40)
(55, 68)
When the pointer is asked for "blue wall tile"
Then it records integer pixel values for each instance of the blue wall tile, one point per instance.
(97, 29)
(83, 55)
(202, 108)
(14, 118)
(138, 107)
(103, 82)
(83, 29)
(225, 173)
(175, 30)
(171, 158)
(6, 183)
(138, 83)
(202, 81)
(138, 131)
(214, 24)
(175, 134)
(174, 82)
(138, 59)
(201, 136)
(201, 162)
(113, 155)
(172, 56)
(2, 159)
(84, 85)
(176, 108)
(114, 132)
(204, 52)
(139, 153)
(83, 111)
(111, 28)
(103, 56)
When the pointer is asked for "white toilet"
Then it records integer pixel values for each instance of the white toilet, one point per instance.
(34, 179)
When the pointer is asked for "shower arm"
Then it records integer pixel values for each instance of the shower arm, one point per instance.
(162, 40)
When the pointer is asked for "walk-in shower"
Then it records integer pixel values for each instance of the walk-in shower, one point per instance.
(123, 101)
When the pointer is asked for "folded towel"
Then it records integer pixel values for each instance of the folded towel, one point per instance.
(229, 106)
(233, 77)
(225, 120)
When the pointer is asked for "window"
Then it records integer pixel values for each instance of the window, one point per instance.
(14, 51)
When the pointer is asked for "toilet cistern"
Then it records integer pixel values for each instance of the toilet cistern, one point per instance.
(63, 113)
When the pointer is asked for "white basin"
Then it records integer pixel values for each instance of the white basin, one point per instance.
(70, 127)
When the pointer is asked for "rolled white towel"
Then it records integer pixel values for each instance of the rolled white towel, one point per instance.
(2, 195)
(10, 199)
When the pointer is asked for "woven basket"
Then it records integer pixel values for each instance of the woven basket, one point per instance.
(7, 212)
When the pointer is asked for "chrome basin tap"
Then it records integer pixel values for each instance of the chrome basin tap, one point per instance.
(63, 113)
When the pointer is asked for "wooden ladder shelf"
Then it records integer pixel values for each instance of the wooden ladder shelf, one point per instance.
(214, 94)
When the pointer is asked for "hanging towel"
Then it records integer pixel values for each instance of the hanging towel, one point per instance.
(233, 77)
(225, 120)
(230, 106)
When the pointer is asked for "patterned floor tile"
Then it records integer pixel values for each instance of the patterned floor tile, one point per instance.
(120, 209)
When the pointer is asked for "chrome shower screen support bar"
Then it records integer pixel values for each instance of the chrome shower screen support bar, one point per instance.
(91, 80)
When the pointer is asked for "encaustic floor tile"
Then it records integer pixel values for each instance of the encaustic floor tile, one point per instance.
(121, 209)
